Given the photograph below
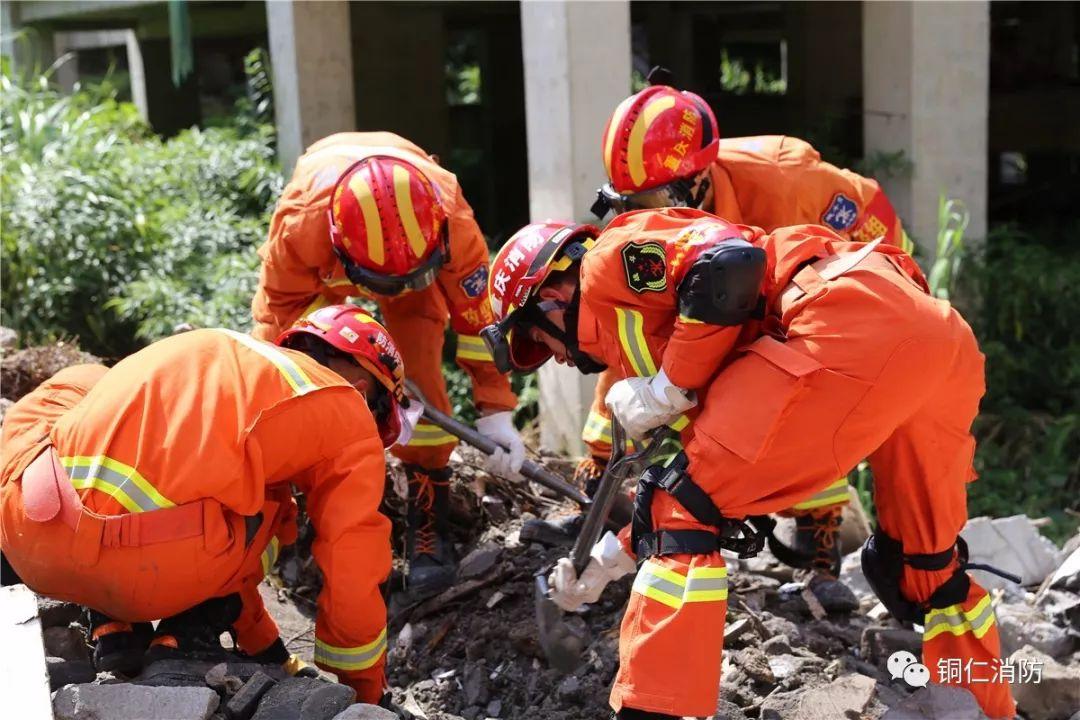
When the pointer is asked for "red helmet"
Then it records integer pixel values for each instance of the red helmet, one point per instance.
(518, 270)
(353, 330)
(655, 139)
(387, 225)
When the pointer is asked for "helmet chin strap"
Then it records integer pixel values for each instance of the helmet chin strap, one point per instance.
(568, 337)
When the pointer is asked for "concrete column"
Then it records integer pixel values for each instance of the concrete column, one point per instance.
(926, 86)
(577, 69)
(311, 54)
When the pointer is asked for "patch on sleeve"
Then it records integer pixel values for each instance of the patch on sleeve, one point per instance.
(475, 282)
(646, 267)
(841, 213)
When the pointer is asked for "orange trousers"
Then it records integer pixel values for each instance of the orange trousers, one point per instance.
(106, 562)
(870, 367)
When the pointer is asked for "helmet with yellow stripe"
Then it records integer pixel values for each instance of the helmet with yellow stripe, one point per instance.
(388, 225)
(354, 332)
(655, 145)
(518, 271)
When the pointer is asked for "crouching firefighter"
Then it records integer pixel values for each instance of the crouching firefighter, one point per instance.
(783, 359)
(160, 488)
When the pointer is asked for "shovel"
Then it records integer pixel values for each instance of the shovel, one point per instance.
(563, 643)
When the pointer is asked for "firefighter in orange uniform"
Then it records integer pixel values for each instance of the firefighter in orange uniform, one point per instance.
(784, 359)
(371, 215)
(662, 148)
(160, 488)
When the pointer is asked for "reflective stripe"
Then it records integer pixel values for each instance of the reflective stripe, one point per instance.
(289, 370)
(689, 320)
(667, 586)
(679, 423)
(360, 657)
(403, 198)
(706, 584)
(597, 428)
(632, 337)
(635, 150)
(956, 621)
(426, 435)
(472, 347)
(834, 494)
(905, 242)
(369, 210)
(270, 555)
(121, 482)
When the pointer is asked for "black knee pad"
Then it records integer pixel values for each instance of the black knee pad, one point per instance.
(883, 564)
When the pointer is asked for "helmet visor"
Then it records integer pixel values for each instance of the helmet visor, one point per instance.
(674, 194)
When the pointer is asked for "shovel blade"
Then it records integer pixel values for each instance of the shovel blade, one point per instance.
(562, 643)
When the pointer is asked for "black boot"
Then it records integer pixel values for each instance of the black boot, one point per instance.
(817, 534)
(428, 548)
(119, 646)
(563, 530)
(196, 632)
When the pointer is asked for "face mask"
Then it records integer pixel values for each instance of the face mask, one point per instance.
(407, 420)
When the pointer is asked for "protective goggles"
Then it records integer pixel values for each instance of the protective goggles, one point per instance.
(498, 340)
(390, 285)
(679, 193)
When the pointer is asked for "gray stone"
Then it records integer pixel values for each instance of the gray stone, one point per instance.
(9, 340)
(363, 711)
(241, 706)
(845, 697)
(67, 672)
(776, 645)
(780, 706)
(495, 509)
(1012, 544)
(494, 708)
(1067, 576)
(569, 690)
(176, 673)
(304, 699)
(851, 575)
(474, 685)
(1021, 625)
(727, 710)
(1057, 694)
(937, 702)
(1062, 607)
(834, 596)
(879, 642)
(479, 561)
(133, 702)
(57, 613)
(68, 643)
(754, 663)
(785, 665)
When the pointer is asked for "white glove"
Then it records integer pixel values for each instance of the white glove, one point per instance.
(607, 561)
(499, 428)
(642, 403)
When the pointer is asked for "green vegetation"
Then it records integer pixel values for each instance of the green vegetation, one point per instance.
(114, 236)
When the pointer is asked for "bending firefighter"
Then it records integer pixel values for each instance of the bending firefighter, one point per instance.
(161, 488)
(662, 148)
(784, 359)
(371, 215)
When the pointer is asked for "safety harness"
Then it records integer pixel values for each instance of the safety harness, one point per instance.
(728, 534)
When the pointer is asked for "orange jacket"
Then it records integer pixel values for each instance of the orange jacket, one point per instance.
(773, 181)
(300, 268)
(638, 333)
(217, 414)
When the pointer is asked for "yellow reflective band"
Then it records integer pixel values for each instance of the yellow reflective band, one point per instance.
(613, 130)
(331, 283)
(472, 347)
(632, 337)
(597, 428)
(834, 494)
(293, 374)
(703, 584)
(565, 261)
(426, 435)
(360, 657)
(978, 620)
(270, 555)
(689, 320)
(905, 242)
(635, 153)
(121, 482)
(403, 197)
(679, 424)
(706, 584)
(372, 222)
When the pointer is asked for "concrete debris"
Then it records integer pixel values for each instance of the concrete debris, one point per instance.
(495, 509)
(937, 702)
(832, 595)
(776, 645)
(23, 676)
(362, 711)
(242, 705)
(754, 663)
(1062, 608)
(56, 613)
(304, 699)
(1056, 695)
(727, 710)
(1012, 544)
(68, 672)
(844, 697)
(851, 575)
(134, 702)
(68, 643)
(879, 642)
(474, 685)
(734, 631)
(479, 561)
(1021, 625)
(1067, 576)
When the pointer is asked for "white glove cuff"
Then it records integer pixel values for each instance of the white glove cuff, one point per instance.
(609, 554)
(496, 424)
(671, 395)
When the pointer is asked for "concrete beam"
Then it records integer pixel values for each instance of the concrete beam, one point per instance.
(311, 55)
(926, 88)
(577, 69)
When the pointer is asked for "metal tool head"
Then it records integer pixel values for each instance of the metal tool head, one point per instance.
(563, 643)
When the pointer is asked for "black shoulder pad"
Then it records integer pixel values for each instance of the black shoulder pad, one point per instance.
(723, 286)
